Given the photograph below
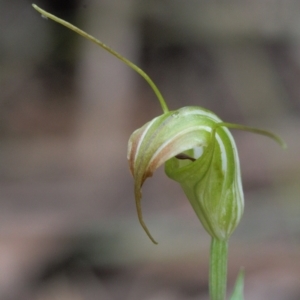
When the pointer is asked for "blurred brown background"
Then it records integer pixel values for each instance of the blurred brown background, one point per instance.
(68, 226)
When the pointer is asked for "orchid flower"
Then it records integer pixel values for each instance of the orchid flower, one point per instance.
(201, 156)
(198, 152)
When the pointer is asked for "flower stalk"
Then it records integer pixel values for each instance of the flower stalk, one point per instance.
(218, 269)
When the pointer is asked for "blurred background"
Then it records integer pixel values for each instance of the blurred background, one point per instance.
(68, 226)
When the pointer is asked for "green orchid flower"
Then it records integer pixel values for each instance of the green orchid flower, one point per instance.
(198, 152)
(201, 156)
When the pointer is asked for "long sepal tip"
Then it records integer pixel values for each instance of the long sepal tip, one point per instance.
(269, 134)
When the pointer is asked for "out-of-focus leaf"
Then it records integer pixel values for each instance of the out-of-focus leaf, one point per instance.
(238, 291)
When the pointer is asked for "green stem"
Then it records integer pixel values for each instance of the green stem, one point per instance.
(111, 51)
(218, 269)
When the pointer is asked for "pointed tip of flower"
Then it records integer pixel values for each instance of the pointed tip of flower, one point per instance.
(151, 237)
(138, 197)
(140, 217)
(269, 134)
(283, 144)
(147, 230)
